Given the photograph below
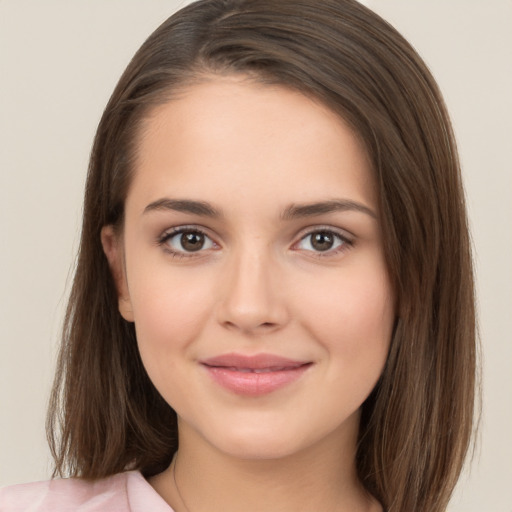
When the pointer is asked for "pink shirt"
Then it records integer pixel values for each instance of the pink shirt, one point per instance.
(124, 492)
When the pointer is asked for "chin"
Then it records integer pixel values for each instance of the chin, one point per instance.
(258, 449)
(261, 442)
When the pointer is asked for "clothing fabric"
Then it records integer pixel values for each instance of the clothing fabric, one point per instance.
(124, 492)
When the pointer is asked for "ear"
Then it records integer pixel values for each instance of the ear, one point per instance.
(113, 249)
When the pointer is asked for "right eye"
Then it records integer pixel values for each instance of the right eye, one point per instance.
(183, 241)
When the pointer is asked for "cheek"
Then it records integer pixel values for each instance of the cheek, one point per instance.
(353, 315)
(169, 316)
(169, 313)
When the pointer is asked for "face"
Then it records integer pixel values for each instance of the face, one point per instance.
(251, 263)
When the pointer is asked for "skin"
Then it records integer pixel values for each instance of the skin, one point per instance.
(257, 285)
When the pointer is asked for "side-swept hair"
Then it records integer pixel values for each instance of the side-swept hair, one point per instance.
(106, 416)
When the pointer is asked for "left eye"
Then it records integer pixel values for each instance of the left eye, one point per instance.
(188, 241)
(321, 241)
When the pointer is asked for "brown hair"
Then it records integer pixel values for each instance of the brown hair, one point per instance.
(106, 416)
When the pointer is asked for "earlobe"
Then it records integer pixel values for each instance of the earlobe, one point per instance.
(113, 249)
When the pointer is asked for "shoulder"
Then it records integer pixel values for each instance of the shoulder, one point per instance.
(124, 492)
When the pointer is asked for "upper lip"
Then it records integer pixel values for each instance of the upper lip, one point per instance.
(253, 362)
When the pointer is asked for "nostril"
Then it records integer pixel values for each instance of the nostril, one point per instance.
(255, 327)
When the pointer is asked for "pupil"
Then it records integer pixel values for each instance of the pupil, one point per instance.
(322, 241)
(192, 241)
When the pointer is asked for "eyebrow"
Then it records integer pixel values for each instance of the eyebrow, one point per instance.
(201, 208)
(294, 211)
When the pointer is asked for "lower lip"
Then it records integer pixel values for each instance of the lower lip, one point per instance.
(252, 383)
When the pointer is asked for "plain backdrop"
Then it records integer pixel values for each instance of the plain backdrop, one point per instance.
(59, 61)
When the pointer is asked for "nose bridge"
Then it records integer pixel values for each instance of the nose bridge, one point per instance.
(252, 299)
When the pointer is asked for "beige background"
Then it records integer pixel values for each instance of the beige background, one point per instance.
(59, 61)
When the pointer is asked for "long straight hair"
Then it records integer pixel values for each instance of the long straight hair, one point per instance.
(106, 416)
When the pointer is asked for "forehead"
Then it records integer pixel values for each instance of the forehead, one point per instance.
(230, 137)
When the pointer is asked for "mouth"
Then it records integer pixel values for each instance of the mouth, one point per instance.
(254, 375)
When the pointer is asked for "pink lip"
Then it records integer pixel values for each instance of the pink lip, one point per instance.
(254, 375)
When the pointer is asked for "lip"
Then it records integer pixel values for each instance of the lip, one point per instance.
(254, 375)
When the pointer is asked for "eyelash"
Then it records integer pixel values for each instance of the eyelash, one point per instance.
(168, 235)
(345, 243)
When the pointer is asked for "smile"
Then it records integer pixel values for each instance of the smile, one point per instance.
(258, 370)
(254, 375)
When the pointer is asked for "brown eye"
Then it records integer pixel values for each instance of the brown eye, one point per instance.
(183, 241)
(322, 241)
(192, 241)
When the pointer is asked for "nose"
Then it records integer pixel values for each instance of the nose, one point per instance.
(253, 298)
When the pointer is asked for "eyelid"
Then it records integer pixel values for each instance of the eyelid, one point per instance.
(315, 228)
(347, 239)
(176, 230)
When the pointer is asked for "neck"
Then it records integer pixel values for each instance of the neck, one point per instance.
(321, 477)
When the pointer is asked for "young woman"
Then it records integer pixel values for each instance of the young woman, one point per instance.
(273, 307)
